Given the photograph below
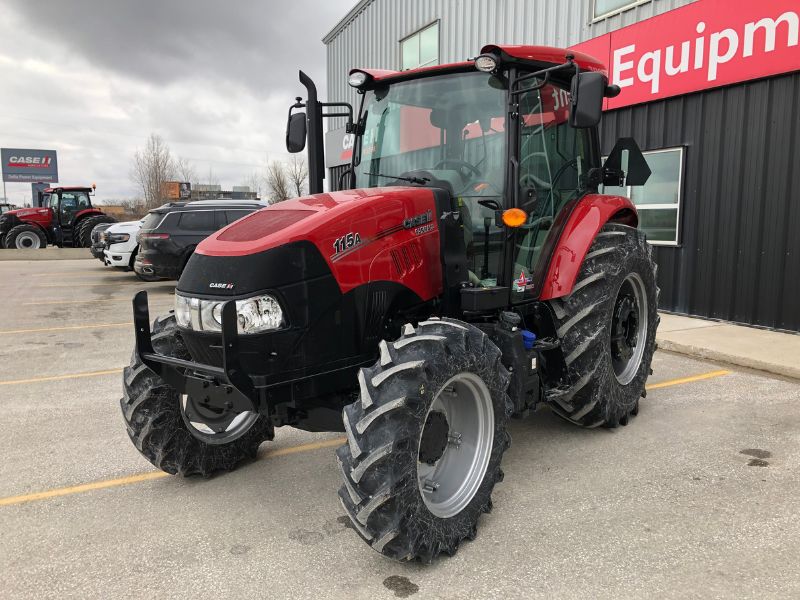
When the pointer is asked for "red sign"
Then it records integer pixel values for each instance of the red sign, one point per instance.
(707, 44)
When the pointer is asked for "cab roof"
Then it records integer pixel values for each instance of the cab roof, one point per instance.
(532, 56)
(67, 188)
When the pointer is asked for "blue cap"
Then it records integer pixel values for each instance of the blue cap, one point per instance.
(528, 337)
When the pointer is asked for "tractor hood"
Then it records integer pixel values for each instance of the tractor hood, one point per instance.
(345, 234)
(319, 218)
(27, 213)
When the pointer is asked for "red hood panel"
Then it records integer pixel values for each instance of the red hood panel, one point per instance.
(364, 235)
(325, 217)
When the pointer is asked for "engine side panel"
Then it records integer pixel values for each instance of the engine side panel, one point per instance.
(589, 216)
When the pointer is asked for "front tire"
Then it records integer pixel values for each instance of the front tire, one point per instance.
(425, 440)
(158, 427)
(607, 329)
(26, 237)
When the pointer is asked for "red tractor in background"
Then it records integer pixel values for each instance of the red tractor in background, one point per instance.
(470, 270)
(65, 217)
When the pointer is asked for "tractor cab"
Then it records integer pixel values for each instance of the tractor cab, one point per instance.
(515, 128)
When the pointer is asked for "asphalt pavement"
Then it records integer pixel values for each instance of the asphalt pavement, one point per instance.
(697, 497)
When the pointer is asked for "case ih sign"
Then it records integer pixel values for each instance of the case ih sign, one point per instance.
(29, 165)
(707, 44)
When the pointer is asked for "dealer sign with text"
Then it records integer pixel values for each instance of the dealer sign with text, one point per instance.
(706, 44)
(29, 165)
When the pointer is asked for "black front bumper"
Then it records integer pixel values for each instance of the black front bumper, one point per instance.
(226, 387)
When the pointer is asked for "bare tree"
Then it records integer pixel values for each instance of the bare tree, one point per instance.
(277, 182)
(255, 181)
(152, 167)
(211, 178)
(184, 170)
(297, 172)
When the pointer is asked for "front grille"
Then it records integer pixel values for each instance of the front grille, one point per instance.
(206, 349)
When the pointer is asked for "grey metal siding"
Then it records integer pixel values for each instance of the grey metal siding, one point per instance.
(371, 36)
(739, 253)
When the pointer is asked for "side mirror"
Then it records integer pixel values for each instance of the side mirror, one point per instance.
(296, 132)
(588, 91)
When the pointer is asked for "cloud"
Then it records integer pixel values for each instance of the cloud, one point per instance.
(215, 79)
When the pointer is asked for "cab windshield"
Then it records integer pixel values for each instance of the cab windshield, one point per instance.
(446, 131)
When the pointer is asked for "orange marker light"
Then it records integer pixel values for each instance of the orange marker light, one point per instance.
(514, 217)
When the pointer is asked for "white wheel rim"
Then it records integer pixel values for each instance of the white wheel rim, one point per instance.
(27, 240)
(449, 485)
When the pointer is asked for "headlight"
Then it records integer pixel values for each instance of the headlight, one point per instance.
(254, 315)
(183, 310)
(259, 314)
(117, 238)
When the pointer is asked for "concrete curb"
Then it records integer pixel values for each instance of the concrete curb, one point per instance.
(46, 254)
(726, 357)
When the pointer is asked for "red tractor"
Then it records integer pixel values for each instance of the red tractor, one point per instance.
(65, 218)
(471, 271)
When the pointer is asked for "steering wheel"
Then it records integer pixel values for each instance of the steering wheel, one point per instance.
(529, 178)
(461, 164)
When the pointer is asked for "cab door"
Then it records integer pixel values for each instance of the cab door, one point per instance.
(553, 163)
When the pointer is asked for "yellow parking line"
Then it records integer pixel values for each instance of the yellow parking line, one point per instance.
(90, 300)
(65, 272)
(102, 284)
(149, 476)
(65, 328)
(693, 378)
(85, 487)
(108, 483)
(62, 377)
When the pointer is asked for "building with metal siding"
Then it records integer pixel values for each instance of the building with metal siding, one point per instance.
(736, 253)
(369, 35)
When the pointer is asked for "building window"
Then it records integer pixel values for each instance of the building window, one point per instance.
(421, 49)
(606, 8)
(659, 200)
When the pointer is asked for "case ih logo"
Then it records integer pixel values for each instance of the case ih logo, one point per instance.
(221, 286)
(703, 45)
(30, 162)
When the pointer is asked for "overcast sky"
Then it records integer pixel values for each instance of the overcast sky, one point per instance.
(92, 79)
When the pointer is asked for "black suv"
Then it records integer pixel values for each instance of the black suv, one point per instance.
(171, 232)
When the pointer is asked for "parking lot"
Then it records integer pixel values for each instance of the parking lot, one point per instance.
(697, 496)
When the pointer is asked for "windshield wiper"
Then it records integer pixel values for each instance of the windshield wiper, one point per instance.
(417, 180)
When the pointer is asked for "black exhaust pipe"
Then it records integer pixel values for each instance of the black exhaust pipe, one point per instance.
(316, 151)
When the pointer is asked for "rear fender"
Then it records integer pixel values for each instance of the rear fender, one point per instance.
(583, 225)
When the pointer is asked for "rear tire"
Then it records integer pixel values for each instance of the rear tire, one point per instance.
(26, 237)
(614, 304)
(82, 234)
(392, 460)
(156, 424)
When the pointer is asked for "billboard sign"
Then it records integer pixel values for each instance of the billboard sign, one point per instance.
(20, 165)
(703, 45)
(177, 190)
